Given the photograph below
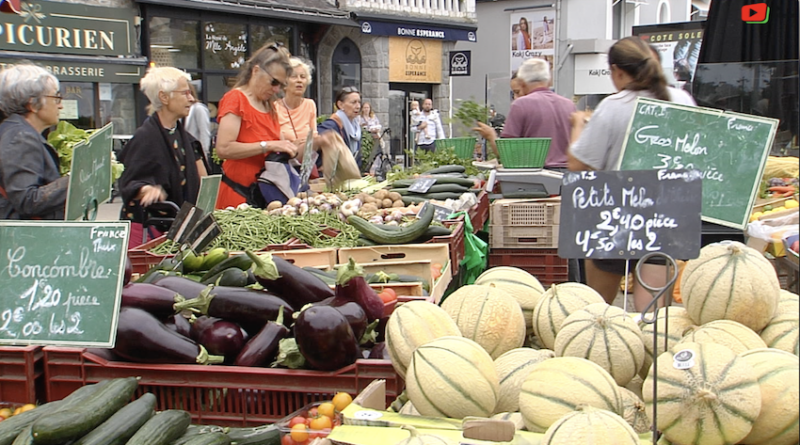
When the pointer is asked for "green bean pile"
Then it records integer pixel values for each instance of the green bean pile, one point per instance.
(253, 229)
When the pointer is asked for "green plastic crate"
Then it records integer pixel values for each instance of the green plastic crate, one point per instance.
(523, 152)
(464, 147)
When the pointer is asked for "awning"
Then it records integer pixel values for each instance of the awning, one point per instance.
(75, 68)
(421, 29)
(298, 11)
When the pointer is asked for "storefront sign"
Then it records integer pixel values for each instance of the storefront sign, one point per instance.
(460, 62)
(409, 30)
(592, 74)
(532, 34)
(85, 71)
(415, 60)
(68, 28)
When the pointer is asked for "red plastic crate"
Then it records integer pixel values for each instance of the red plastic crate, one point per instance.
(479, 213)
(544, 264)
(21, 374)
(218, 395)
(456, 242)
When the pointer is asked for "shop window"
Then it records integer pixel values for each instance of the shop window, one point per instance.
(217, 86)
(174, 42)
(346, 67)
(224, 45)
(79, 104)
(268, 33)
(118, 105)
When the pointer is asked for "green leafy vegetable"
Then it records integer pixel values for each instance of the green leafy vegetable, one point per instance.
(64, 138)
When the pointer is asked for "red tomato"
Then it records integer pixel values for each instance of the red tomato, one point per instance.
(312, 412)
(287, 440)
(391, 292)
(297, 419)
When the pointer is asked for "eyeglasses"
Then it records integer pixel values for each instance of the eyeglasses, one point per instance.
(57, 98)
(187, 93)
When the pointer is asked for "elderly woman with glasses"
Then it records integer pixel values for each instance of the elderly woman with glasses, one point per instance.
(249, 134)
(31, 186)
(345, 120)
(162, 161)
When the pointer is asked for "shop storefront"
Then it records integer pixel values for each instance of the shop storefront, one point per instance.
(94, 52)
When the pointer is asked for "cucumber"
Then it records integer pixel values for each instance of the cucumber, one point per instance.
(13, 426)
(193, 431)
(407, 234)
(67, 424)
(446, 169)
(213, 257)
(466, 182)
(407, 200)
(210, 439)
(24, 437)
(123, 424)
(431, 232)
(438, 188)
(322, 275)
(365, 242)
(259, 435)
(241, 260)
(232, 276)
(162, 428)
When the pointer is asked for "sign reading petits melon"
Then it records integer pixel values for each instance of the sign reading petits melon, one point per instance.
(61, 282)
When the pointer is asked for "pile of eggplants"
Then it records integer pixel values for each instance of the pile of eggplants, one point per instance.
(167, 317)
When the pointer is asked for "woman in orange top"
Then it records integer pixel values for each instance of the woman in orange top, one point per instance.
(248, 125)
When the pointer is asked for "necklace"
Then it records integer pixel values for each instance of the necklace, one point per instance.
(289, 113)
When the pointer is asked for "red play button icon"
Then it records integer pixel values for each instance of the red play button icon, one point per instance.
(757, 13)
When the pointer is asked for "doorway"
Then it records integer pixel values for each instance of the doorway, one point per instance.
(400, 97)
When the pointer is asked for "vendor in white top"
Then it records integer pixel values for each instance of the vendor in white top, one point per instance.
(429, 128)
(597, 145)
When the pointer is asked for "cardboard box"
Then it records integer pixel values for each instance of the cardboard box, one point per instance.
(323, 259)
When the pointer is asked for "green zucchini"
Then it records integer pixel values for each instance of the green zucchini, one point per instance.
(232, 276)
(240, 260)
(365, 242)
(408, 234)
(210, 439)
(123, 424)
(466, 182)
(322, 275)
(259, 435)
(438, 188)
(162, 428)
(446, 169)
(431, 232)
(193, 431)
(68, 424)
(25, 437)
(13, 426)
(407, 200)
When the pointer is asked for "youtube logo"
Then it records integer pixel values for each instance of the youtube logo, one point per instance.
(756, 13)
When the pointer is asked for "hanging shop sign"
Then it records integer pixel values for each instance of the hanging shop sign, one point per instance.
(415, 60)
(378, 28)
(68, 28)
(460, 62)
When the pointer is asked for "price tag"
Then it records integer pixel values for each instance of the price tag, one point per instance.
(185, 220)
(440, 213)
(683, 359)
(422, 185)
(203, 233)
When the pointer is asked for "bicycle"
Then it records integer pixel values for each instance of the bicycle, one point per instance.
(381, 163)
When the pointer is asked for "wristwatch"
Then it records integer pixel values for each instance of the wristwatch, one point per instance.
(263, 147)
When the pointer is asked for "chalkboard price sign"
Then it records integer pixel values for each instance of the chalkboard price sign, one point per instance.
(729, 149)
(90, 176)
(61, 282)
(422, 185)
(628, 214)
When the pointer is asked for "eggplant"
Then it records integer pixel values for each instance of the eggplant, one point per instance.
(263, 348)
(179, 324)
(184, 286)
(351, 286)
(379, 352)
(222, 338)
(157, 300)
(297, 286)
(250, 308)
(325, 338)
(200, 324)
(128, 271)
(104, 354)
(142, 338)
(356, 316)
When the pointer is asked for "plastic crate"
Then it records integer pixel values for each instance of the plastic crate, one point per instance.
(464, 147)
(523, 237)
(218, 395)
(523, 152)
(21, 374)
(455, 240)
(544, 264)
(479, 213)
(526, 212)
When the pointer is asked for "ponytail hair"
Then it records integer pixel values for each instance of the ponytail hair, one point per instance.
(633, 56)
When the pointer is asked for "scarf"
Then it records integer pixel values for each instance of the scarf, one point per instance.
(353, 131)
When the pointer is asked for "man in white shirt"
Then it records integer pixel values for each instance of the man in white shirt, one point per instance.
(429, 128)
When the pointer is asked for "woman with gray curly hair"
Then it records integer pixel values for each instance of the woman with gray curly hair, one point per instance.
(162, 161)
(31, 186)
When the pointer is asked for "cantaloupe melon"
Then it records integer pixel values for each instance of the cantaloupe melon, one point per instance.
(783, 333)
(452, 377)
(634, 412)
(606, 335)
(521, 285)
(558, 386)
(788, 303)
(556, 304)
(512, 369)
(778, 374)
(590, 425)
(713, 401)
(736, 336)
(487, 315)
(674, 319)
(730, 281)
(635, 385)
(413, 324)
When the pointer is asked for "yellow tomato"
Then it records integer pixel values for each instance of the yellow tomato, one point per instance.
(27, 407)
(327, 409)
(6, 413)
(341, 400)
(299, 433)
(791, 204)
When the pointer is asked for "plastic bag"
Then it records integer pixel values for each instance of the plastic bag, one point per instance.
(338, 163)
(476, 252)
(774, 229)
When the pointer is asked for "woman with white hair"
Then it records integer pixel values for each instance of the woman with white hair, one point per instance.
(31, 186)
(162, 161)
(297, 114)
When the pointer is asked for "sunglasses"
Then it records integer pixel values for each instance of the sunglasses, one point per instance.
(275, 82)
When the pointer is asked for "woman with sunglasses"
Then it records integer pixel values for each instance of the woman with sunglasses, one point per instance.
(162, 161)
(344, 120)
(249, 134)
(31, 186)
